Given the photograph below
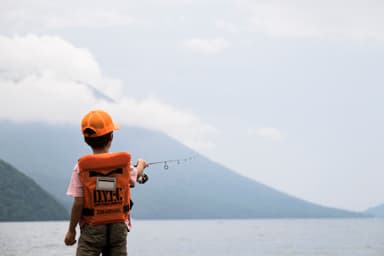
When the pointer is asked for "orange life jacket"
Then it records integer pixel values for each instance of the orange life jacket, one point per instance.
(105, 179)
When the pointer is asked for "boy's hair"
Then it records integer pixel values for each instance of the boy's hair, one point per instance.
(97, 142)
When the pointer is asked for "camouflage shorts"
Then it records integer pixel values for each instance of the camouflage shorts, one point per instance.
(109, 239)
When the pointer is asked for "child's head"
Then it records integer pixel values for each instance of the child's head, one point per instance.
(97, 127)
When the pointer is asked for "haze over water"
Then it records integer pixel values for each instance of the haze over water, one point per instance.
(264, 237)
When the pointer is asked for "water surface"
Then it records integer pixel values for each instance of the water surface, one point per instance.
(352, 237)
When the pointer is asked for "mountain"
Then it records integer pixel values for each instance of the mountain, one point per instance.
(198, 188)
(21, 199)
(377, 211)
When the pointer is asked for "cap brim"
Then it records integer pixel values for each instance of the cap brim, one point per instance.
(116, 126)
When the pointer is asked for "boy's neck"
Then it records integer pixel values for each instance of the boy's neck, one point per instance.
(100, 150)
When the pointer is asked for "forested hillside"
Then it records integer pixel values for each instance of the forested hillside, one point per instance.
(21, 199)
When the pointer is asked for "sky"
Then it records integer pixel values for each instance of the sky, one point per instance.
(288, 93)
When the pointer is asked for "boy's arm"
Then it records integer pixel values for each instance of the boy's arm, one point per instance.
(77, 209)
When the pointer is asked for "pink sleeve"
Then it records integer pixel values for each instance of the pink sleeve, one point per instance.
(132, 182)
(75, 188)
(133, 176)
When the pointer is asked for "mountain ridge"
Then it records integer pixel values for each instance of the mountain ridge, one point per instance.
(377, 211)
(198, 189)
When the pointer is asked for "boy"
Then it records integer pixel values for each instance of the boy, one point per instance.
(101, 209)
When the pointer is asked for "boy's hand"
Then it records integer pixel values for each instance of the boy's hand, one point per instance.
(141, 165)
(70, 238)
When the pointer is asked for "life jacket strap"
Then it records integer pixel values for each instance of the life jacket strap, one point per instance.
(95, 173)
(88, 212)
(91, 211)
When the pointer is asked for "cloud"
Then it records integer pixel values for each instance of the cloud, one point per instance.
(42, 15)
(206, 45)
(87, 19)
(334, 19)
(340, 19)
(47, 79)
(266, 132)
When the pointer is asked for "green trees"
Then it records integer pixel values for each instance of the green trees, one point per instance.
(21, 199)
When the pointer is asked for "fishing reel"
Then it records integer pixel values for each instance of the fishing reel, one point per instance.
(142, 179)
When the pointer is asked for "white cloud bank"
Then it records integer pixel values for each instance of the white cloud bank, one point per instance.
(41, 15)
(39, 81)
(335, 19)
(340, 19)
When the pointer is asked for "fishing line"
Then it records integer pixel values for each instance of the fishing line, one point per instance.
(177, 161)
(144, 178)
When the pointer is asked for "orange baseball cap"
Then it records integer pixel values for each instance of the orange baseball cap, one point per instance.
(98, 121)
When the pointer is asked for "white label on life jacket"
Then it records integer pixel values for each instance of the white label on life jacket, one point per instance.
(106, 183)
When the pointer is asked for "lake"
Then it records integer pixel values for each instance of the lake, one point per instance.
(274, 237)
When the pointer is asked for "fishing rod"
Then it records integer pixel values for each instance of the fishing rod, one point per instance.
(144, 178)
